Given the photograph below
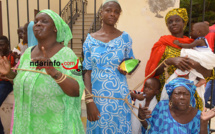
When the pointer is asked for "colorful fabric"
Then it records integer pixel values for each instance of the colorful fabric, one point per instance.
(182, 12)
(103, 59)
(63, 30)
(164, 49)
(32, 41)
(162, 122)
(129, 65)
(22, 47)
(106, 1)
(41, 106)
(159, 49)
(211, 37)
(182, 82)
(172, 52)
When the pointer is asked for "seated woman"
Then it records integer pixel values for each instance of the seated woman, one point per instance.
(47, 103)
(165, 49)
(177, 115)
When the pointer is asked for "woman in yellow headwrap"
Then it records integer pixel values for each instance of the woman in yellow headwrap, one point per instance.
(176, 21)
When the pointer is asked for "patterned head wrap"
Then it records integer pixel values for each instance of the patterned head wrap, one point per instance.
(182, 12)
(178, 82)
(63, 31)
(32, 41)
(106, 1)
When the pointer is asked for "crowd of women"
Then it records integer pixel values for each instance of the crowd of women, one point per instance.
(48, 98)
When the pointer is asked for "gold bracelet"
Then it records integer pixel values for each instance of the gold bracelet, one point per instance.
(61, 80)
(89, 101)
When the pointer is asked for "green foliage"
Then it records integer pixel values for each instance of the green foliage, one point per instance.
(197, 11)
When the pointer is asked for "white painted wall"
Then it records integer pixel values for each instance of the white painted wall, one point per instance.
(90, 5)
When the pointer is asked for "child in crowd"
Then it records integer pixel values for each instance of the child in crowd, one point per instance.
(22, 46)
(199, 51)
(5, 86)
(20, 31)
(16, 50)
(146, 99)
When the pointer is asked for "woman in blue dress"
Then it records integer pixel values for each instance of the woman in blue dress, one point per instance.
(103, 52)
(177, 115)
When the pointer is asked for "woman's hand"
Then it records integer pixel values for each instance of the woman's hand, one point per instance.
(92, 112)
(4, 65)
(207, 114)
(182, 63)
(50, 70)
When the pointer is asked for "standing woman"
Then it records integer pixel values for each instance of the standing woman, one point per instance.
(103, 52)
(50, 103)
(176, 21)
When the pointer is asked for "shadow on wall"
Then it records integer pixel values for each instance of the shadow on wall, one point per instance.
(156, 6)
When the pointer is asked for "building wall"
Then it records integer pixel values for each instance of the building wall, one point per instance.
(43, 4)
(90, 5)
(145, 29)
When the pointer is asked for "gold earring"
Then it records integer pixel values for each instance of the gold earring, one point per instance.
(55, 30)
(170, 103)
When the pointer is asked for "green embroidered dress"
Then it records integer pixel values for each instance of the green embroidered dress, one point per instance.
(41, 106)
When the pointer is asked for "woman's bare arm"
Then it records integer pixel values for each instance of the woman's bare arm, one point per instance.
(184, 63)
(92, 111)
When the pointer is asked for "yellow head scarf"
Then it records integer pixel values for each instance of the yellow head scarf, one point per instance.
(182, 12)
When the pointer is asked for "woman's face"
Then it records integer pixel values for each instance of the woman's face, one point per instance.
(110, 13)
(175, 24)
(43, 26)
(180, 98)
